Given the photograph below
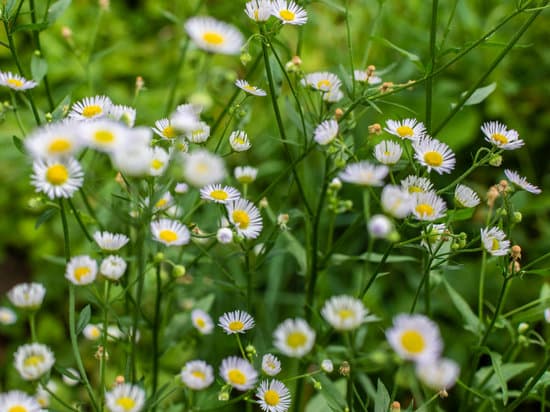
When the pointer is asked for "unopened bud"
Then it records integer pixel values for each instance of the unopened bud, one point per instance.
(443, 394)
(514, 267)
(370, 69)
(250, 351)
(492, 196)
(223, 396)
(104, 4)
(119, 380)
(335, 184)
(495, 160)
(316, 384)
(338, 113)
(517, 217)
(395, 407)
(66, 32)
(386, 87)
(503, 186)
(179, 270)
(282, 220)
(159, 257)
(264, 203)
(344, 369)
(327, 366)
(375, 129)
(245, 58)
(523, 327)
(35, 203)
(140, 84)
(296, 60)
(224, 235)
(515, 252)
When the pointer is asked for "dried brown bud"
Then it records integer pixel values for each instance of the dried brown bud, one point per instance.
(386, 87)
(104, 4)
(514, 267)
(443, 394)
(375, 129)
(370, 70)
(140, 83)
(344, 369)
(503, 186)
(119, 380)
(492, 196)
(338, 113)
(296, 60)
(66, 32)
(516, 252)
(395, 407)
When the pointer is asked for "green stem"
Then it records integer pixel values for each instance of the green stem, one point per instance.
(527, 389)
(476, 163)
(58, 399)
(156, 329)
(103, 358)
(16, 114)
(376, 272)
(32, 326)
(481, 286)
(350, 50)
(429, 80)
(498, 308)
(89, 208)
(175, 75)
(79, 220)
(425, 279)
(36, 37)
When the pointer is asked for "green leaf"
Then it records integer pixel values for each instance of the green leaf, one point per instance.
(83, 319)
(411, 56)
(295, 248)
(330, 398)
(339, 258)
(57, 9)
(18, 143)
(496, 361)
(30, 27)
(470, 319)
(382, 399)
(460, 214)
(508, 371)
(480, 94)
(45, 216)
(170, 16)
(39, 68)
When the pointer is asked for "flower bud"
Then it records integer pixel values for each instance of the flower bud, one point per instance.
(517, 217)
(523, 327)
(495, 160)
(250, 351)
(224, 235)
(338, 113)
(515, 252)
(179, 271)
(264, 203)
(335, 184)
(159, 257)
(395, 407)
(344, 369)
(119, 380)
(327, 366)
(316, 384)
(375, 129)
(245, 58)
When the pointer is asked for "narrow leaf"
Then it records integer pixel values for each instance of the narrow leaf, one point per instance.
(470, 319)
(45, 216)
(83, 319)
(382, 400)
(39, 68)
(57, 9)
(496, 360)
(31, 27)
(480, 94)
(18, 143)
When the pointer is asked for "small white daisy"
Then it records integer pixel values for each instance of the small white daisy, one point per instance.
(256, 91)
(219, 194)
(237, 321)
(326, 132)
(344, 312)
(7, 316)
(92, 332)
(91, 108)
(273, 396)
(110, 241)
(494, 241)
(16, 82)
(199, 134)
(17, 401)
(288, 12)
(245, 174)
(434, 155)
(396, 201)
(159, 161)
(224, 235)
(214, 36)
(165, 202)
(134, 158)
(333, 95)
(439, 374)
(388, 152)
(238, 373)
(415, 337)
(271, 365)
(364, 173)
(170, 232)
(194, 109)
(181, 188)
(434, 234)
(498, 135)
(522, 182)
(406, 129)
(81, 270)
(27, 295)
(57, 178)
(123, 114)
(466, 197)
(360, 76)
(106, 135)
(112, 267)
(181, 123)
(197, 375)
(125, 398)
(42, 396)
(33, 361)
(294, 337)
(202, 321)
(379, 226)
(417, 184)
(54, 141)
(322, 81)
(239, 141)
(72, 378)
(164, 129)
(245, 217)
(428, 206)
(258, 10)
(202, 168)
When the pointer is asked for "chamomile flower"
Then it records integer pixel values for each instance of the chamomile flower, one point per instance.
(91, 108)
(344, 312)
(415, 337)
(428, 206)
(273, 396)
(498, 135)
(388, 152)
(16, 82)
(199, 134)
(17, 401)
(521, 182)
(125, 398)
(170, 232)
(379, 226)
(202, 321)
(326, 132)
(258, 10)
(92, 332)
(434, 155)
(406, 129)
(202, 168)
(466, 197)
(294, 337)
(239, 142)
(494, 241)
(238, 373)
(112, 267)
(106, 135)
(322, 81)
(396, 201)
(197, 375)
(288, 12)
(110, 241)
(27, 295)
(57, 178)
(245, 217)
(123, 114)
(416, 184)
(164, 129)
(245, 174)
(33, 361)
(159, 161)
(214, 36)
(256, 91)
(237, 321)
(271, 365)
(81, 270)
(438, 374)
(219, 194)
(7, 316)
(54, 141)
(364, 173)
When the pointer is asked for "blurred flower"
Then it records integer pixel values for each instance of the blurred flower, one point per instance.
(237, 321)
(123, 114)
(54, 141)
(271, 365)
(202, 168)
(91, 108)
(245, 174)
(7, 316)
(198, 134)
(245, 217)
(498, 134)
(224, 235)
(125, 398)
(438, 374)
(202, 321)
(288, 12)
(16, 82)
(57, 179)
(294, 337)
(522, 182)
(494, 241)
(81, 270)
(213, 35)
(428, 206)
(434, 155)
(159, 161)
(113, 267)
(256, 91)
(110, 241)
(396, 201)
(466, 197)
(197, 375)
(33, 361)
(91, 332)
(364, 173)
(327, 366)
(326, 132)
(17, 401)
(273, 396)
(164, 129)
(238, 373)
(379, 226)
(406, 129)
(388, 152)
(73, 379)
(417, 184)
(27, 295)
(415, 337)
(344, 312)
(170, 232)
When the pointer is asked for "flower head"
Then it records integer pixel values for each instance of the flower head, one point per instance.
(125, 398)
(415, 337)
(273, 396)
(326, 132)
(91, 108)
(239, 141)
(410, 129)
(106, 135)
(202, 321)
(344, 312)
(434, 155)
(197, 375)
(54, 141)
(123, 114)
(112, 267)
(416, 184)
(57, 178)
(110, 241)
(238, 373)
(245, 174)
(214, 36)
(16, 82)
(258, 10)
(466, 197)
(521, 182)
(237, 321)
(498, 135)
(288, 12)
(388, 152)
(202, 168)
(81, 270)
(7, 316)
(494, 241)
(27, 295)
(428, 206)
(33, 360)
(92, 332)
(396, 201)
(170, 232)
(245, 217)
(17, 401)
(159, 161)
(294, 337)
(322, 81)
(198, 134)
(271, 365)
(438, 374)
(244, 85)
(364, 173)
(164, 129)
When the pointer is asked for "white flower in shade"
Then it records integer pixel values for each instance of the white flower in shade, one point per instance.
(415, 337)
(91, 108)
(258, 10)
(27, 295)
(406, 129)
(327, 366)
(202, 321)
(42, 396)
(237, 321)
(256, 91)
(239, 141)
(245, 217)
(7, 316)
(245, 174)
(106, 135)
(125, 398)
(288, 12)
(333, 95)
(498, 135)
(57, 178)
(360, 75)
(16, 82)
(433, 234)
(81, 270)
(417, 184)
(322, 81)
(344, 312)
(123, 114)
(294, 337)
(364, 173)
(170, 232)
(202, 168)
(522, 182)
(91, 332)
(326, 132)
(396, 201)
(379, 226)
(159, 161)
(238, 373)
(54, 141)
(197, 375)
(164, 129)
(273, 396)
(219, 194)
(113, 267)
(466, 197)
(17, 401)
(438, 374)
(434, 155)
(199, 134)
(181, 188)
(134, 159)
(224, 235)
(214, 36)
(271, 365)
(388, 152)
(428, 206)
(33, 361)
(72, 378)
(110, 241)
(494, 241)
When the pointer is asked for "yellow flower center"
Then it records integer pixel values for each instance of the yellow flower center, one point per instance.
(256, 14)
(60, 145)
(287, 15)
(15, 82)
(95, 333)
(57, 174)
(104, 136)
(345, 313)
(495, 244)
(413, 341)
(126, 403)
(405, 131)
(17, 408)
(433, 158)
(236, 377)
(168, 236)
(199, 375)
(80, 272)
(219, 194)
(500, 138)
(200, 322)
(92, 110)
(236, 325)
(161, 203)
(425, 209)
(249, 88)
(211, 37)
(196, 133)
(157, 164)
(296, 339)
(415, 189)
(241, 219)
(33, 360)
(169, 132)
(323, 84)
(271, 397)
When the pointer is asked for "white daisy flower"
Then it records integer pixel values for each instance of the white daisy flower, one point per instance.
(17, 401)
(238, 373)
(364, 173)
(112, 267)
(288, 12)
(415, 337)
(81, 270)
(72, 378)
(360, 76)
(106, 135)
(33, 361)
(54, 141)
(164, 129)
(182, 122)
(214, 36)
(16, 82)
(326, 132)
(396, 201)
(237, 321)
(466, 197)
(344, 312)
(91, 108)
(244, 85)
(202, 168)
(219, 194)
(439, 374)
(42, 396)
(92, 332)
(333, 95)
(494, 241)
(181, 188)
(428, 206)
(271, 365)
(498, 135)
(159, 161)
(294, 337)
(379, 226)
(110, 241)
(433, 234)
(245, 217)
(522, 182)
(239, 141)
(417, 184)
(434, 155)
(388, 152)
(125, 398)
(197, 375)
(273, 396)
(7, 316)
(123, 114)
(406, 129)
(194, 109)
(164, 202)
(134, 158)
(170, 232)
(258, 10)
(57, 178)
(202, 321)
(327, 366)
(245, 174)
(322, 81)
(199, 134)
(27, 295)
(224, 235)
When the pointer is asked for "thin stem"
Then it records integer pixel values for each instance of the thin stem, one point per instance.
(350, 50)
(79, 220)
(481, 286)
(89, 207)
(16, 114)
(425, 277)
(527, 389)
(58, 399)
(498, 308)
(429, 81)
(103, 358)
(168, 107)
(376, 272)
(32, 326)
(36, 38)
(156, 329)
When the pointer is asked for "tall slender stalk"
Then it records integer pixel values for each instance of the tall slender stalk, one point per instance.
(36, 38)
(156, 331)
(431, 66)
